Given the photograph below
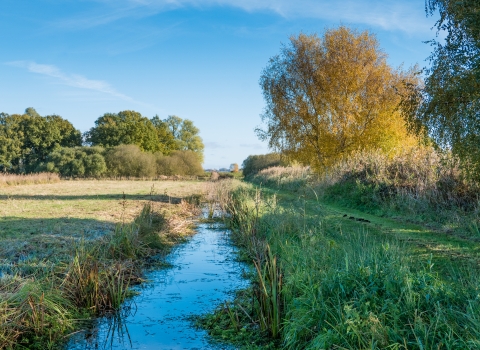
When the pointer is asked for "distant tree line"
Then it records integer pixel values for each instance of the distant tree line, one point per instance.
(120, 144)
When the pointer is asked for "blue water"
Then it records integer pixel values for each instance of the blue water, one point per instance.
(204, 275)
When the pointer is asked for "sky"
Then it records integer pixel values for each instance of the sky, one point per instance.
(197, 59)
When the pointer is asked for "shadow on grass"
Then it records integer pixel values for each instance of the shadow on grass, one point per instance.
(154, 198)
(13, 226)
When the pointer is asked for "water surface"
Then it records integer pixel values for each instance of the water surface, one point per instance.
(204, 274)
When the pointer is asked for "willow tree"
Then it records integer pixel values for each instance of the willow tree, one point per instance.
(327, 97)
(451, 105)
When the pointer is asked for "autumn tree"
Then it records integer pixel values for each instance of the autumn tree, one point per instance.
(451, 98)
(326, 97)
(234, 168)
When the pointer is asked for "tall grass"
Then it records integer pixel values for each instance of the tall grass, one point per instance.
(292, 178)
(30, 179)
(420, 184)
(337, 287)
(40, 305)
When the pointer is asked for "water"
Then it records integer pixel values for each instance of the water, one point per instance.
(204, 274)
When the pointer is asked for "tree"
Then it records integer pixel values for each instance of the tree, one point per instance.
(10, 142)
(451, 99)
(166, 139)
(186, 135)
(75, 162)
(190, 140)
(152, 135)
(125, 127)
(234, 168)
(327, 97)
(29, 138)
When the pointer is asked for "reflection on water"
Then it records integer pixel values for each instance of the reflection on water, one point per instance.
(204, 274)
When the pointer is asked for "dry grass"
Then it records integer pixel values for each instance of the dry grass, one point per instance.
(291, 178)
(82, 208)
(421, 185)
(39, 178)
(42, 222)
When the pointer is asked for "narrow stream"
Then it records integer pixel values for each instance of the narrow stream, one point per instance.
(204, 274)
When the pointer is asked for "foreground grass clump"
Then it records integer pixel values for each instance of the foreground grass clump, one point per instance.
(51, 280)
(37, 178)
(323, 281)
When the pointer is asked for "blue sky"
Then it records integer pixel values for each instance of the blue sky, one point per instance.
(198, 59)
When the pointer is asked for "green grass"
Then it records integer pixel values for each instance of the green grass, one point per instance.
(377, 284)
(72, 249)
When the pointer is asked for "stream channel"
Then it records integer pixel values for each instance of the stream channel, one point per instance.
(204, 274)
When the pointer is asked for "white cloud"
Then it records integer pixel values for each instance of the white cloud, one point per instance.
(74, 80)
(407, 16)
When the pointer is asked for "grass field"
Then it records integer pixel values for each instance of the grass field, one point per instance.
(82, 208)
(70, 249)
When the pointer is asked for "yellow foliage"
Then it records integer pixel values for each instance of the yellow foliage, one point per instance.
(328, 97)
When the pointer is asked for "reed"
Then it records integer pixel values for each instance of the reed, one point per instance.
(345, 285)
(421, 185)
(30, 179)
(268, 293)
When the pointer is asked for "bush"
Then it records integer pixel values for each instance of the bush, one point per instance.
(130, 161)
(75, 162)
(178, 163)
(254, 163)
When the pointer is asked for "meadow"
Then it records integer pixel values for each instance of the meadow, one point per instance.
(71, 249)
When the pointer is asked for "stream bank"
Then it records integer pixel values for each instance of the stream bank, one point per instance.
(204, 274)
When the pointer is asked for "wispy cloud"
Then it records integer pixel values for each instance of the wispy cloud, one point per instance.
(215, 145)
(253, 145)
(74, 80)
(407, 15)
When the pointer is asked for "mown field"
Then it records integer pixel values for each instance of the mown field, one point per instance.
(70, 249)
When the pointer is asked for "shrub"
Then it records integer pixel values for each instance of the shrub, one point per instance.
(130, 161)
(178, 163)
(254, 163)
(415, 182)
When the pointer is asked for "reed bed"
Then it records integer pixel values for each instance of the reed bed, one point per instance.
(30, 179)
(421, 185)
